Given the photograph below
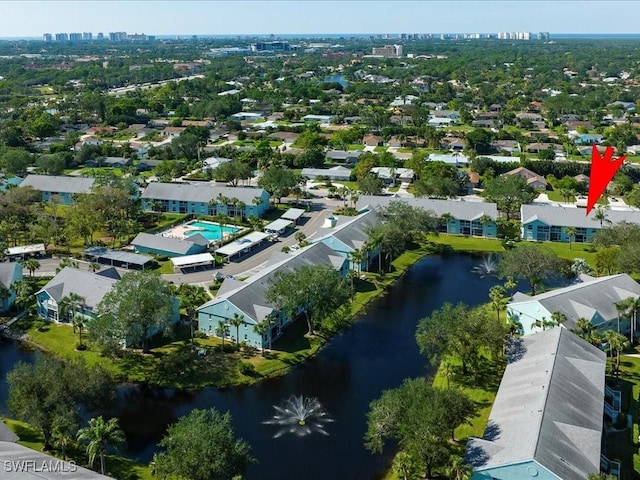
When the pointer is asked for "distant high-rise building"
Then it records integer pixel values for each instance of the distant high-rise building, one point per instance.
(388, 51)
(136, 37)
(117, 36)
(87, 36)
(75, 37)
(62, 37)
(543, 35)
(100, 36)
(47, 37)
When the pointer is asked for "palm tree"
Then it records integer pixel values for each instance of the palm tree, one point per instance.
(70, 306)
(357, 257)
(445, 218)
(583, 328)
(99, 435)
(632, 307)
(191, 297)
(270, 320)
(261, 328)
(32, 265)
(616, 342)
(484, 221)
(458, 469)
(222, 220)
(66, 262)
(236, 321)
(566, 194)
(221, 331)
(571, 233)
(621, 307)
(558, 318)
(256, 223)
(376, 242)
(497, 295)
(79, 323)
(601, 216)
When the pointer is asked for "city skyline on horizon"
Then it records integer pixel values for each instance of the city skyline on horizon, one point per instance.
(311, 17)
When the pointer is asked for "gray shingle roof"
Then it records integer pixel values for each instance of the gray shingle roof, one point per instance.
(574, 217)
(63, 184)
(198, 192)
(459, 209)
(166, 244)
(90, 286)
(548, 409)
(7, 272)
(583, 299)
(351, 231)
(118, 256)
(249, 296)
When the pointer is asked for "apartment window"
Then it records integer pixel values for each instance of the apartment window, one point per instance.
(465, 227)
(476, 229)
(556, 234)
(581, 235)
(543, 233)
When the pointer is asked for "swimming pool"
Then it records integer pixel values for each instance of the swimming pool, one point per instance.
(209, 230)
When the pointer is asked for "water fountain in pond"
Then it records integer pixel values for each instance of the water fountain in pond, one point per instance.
(300, 416)
(488, 266)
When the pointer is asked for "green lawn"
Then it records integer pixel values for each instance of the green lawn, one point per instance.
(475, 244)
(380, 149)
(356, 146)
(482, 394)
(467, 244)
(118, 467)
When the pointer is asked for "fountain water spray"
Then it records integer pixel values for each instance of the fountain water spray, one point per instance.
(300, 416)
(488, 266)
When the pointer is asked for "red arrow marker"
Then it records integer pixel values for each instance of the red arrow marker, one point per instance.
(602, 171)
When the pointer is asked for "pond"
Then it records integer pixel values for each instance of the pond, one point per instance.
(336, 79)
(375, 354)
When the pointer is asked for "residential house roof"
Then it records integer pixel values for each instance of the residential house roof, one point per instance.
(285, 136)
(569, 216)
(58, 183)
(7, 273)
(329, 172)
(92, 287)
(460, 209)
(386, 172)
(586, 297)
(352, 231)
(167, 244)
(249, 295)
(344, 155)
(198, 192)
(548, 409)
(528, 175)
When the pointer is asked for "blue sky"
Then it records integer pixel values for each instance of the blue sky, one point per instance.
(32, 18)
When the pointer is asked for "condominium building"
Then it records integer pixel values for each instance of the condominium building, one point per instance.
(388, 51)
